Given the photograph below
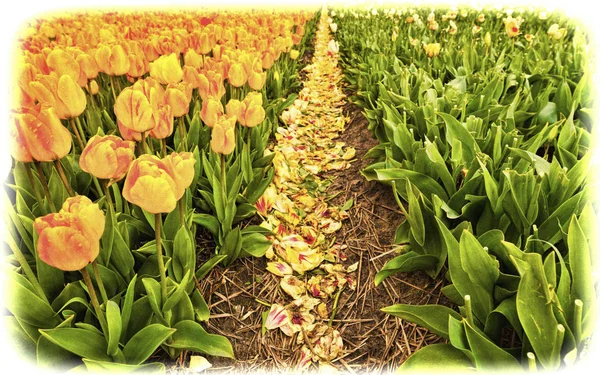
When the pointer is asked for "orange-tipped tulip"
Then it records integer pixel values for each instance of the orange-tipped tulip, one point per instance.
(107, 157)
(112, 60)
(164, 125)
(150, 184)
(63, 93)
(39, 135)
(134, 111)
(211, 111)
(69, 240)
(166, 69)
(87, 65)
(182, 166)
(179, 97)
(223, 135)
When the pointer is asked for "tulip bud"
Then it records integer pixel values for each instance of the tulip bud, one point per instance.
(150, 184)
(294, 54)
(487, 39)
(182, 166)
(39, 135)
(223, 135)
(69, 240)
(94, 89)
(107, 157)
(211, 110)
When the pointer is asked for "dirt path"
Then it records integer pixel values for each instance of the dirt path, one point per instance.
(238, 296)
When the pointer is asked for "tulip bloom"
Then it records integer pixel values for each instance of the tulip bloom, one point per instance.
(134, 111)
(107, 157)
(39, 135)
(223, 135)
(63, 93)
(294, 54)
(256, 80)
(182, 167)
(250, 112)
(112, 60)
(432, 49)
(164, 124)
(179, 97)
(212, 109)
(237, 75)
(69, 239)
(511, 26)
(166, 69)
(63, 63)
(150, 184)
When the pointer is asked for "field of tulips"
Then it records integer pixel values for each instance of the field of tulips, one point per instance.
(125, 141)
(188, 190)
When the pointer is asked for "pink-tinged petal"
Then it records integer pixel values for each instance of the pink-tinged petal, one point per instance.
(305, 359)
(278, 316)
(279, 268)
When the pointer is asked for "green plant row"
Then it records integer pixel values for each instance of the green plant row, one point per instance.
(485, 147)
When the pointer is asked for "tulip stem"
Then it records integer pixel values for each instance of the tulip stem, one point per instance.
(94, 299)
(143, 142)
(99, 281)
(44, 182)
(183, 133)
(105, 190)
(181, 211)
(161, 263)
(101, 191)
(112, 86)
(63, 177)
(87, 87)
(36, 192)
(77, 136)
(25, 267)
(163, 144)
(81, 132)
(335, 306)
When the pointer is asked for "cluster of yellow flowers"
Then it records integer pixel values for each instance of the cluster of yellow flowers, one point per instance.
(165, 56)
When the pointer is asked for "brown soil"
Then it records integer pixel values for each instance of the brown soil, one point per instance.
(374, 341)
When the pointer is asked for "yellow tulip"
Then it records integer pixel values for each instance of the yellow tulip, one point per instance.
(69, 240)
(166, 69)
(151, 185)
(223, 135)
(211, 111)
(107, 157)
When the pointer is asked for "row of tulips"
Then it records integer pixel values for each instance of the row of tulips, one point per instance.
(125, 139)
(486, 145)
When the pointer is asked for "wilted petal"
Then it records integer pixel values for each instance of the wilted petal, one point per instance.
(279, 268)
(278, 316)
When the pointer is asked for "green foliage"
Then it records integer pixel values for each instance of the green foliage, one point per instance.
(486, 148)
